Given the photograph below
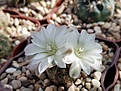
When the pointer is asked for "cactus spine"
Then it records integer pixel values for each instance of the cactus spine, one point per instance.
(5, 46)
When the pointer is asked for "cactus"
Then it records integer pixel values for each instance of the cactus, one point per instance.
(95, 10)
(60, 76)
(3, 19)
(5, 46)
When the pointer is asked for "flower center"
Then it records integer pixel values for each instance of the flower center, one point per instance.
(79, 52)
(51, 50)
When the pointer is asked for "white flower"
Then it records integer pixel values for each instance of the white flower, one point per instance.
(47, 47)
(85, 53)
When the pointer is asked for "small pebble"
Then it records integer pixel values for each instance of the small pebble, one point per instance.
(16, 22)
(119, 60)
(117, 87)
(25, 82)
(95, 83)
(40, 89)
(88, 85)
(10, 70)
(90, 30)
(120, 74)
(2, 76)
(21, 59)
(17, 42)
(106, 25)
(47, 82)
(16, 84)
(71, 88)
(117, 28)
(15, 64)
(17, 73)
(84, 89)
(78, 81)
(61, 88)
(97, 75)
(4, 81)
(49, 89)
(26, 89)
(119, 66)
(22, 79)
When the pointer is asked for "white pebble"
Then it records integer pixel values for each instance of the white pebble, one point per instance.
(25, 9)
(43, 3)
(78, 81)
(46, 10)
(97, 75)
(25, 31)
(120, 75)
(16, 22)
(19, 29)
(53, 2)
(101, 23)
(61, 9)
(117, 87)
(96, 28)
(83, 89)
(117, 28)
(17, 42)
(58, 19)
(71, 88)
(98, 32)
(54, 16)
(95, 83)
(10, 70)
(88, 85)
(106, 25)
(15, 64)
(90, 30)
(39, 16)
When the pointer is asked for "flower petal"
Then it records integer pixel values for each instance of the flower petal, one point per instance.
(96, 65)
(37, 61)
(74, 36)
(84, 37)
(68, 59)
(61, 50)
(75, 70)
(43, 66)
(58, 61)
(32, 49)
(85, 66)
(38, 42)
(40, 56)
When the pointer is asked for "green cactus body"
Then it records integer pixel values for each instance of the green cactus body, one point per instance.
(95, 10)
(60, 76)
(5, 46)
(3, 19)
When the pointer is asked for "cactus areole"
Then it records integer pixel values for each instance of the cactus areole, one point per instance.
(95, 10)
